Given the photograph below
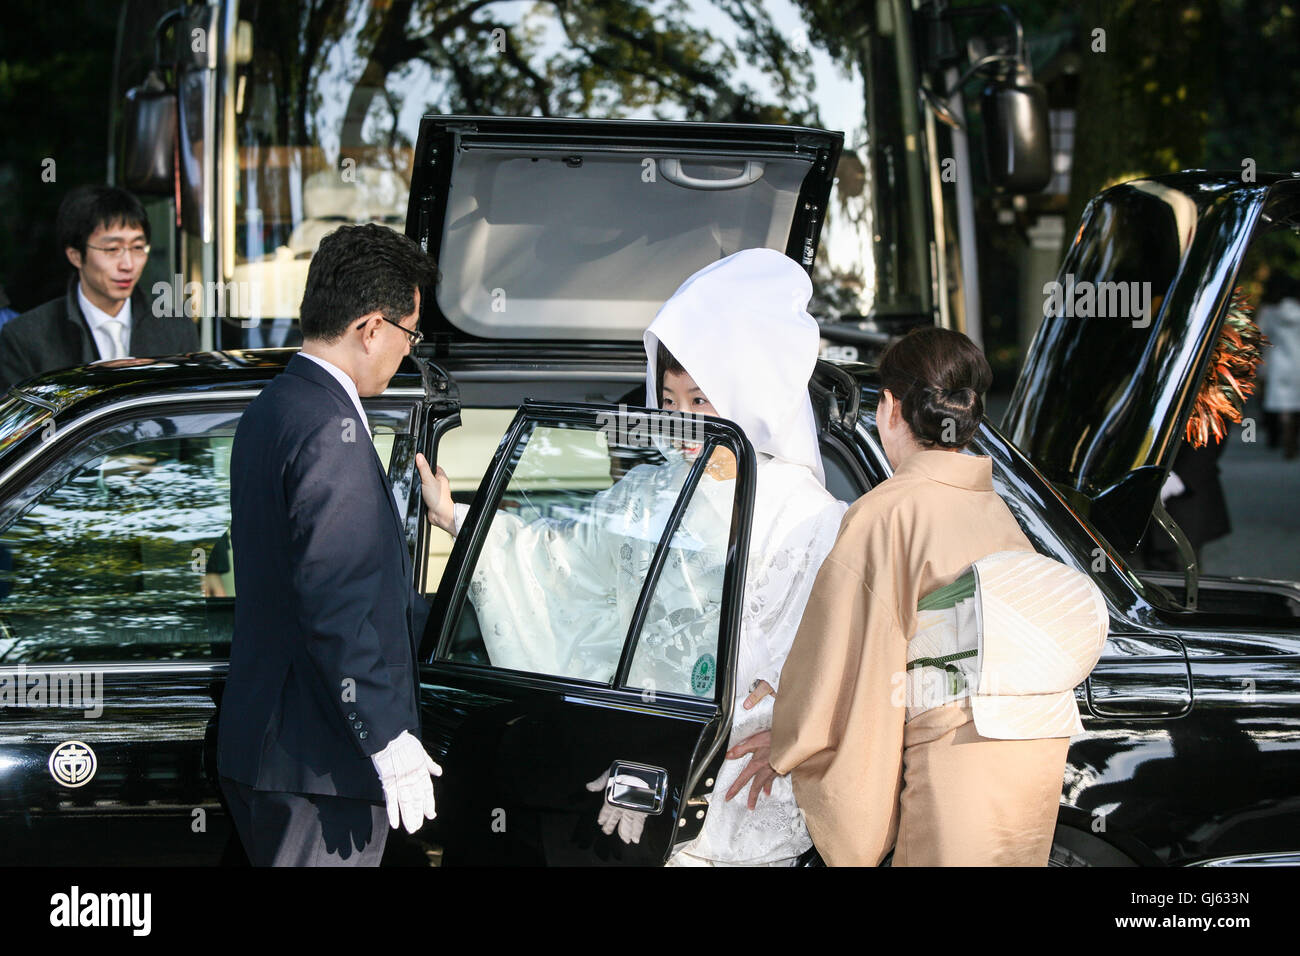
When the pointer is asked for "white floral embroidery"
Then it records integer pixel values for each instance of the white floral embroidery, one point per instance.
(795, 524)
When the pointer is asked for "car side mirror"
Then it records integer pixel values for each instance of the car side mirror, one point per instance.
(149, 137)
(149, 121)
(1017, 142)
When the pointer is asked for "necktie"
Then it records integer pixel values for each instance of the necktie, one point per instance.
(114, 329)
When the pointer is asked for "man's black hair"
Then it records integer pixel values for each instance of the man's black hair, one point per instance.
(358, 270)
(86, 208)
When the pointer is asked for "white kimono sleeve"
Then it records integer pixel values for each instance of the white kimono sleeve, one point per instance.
(556, 595)
(800, 520)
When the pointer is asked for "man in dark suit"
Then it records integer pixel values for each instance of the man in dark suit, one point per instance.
(319, 723)
(103, 315)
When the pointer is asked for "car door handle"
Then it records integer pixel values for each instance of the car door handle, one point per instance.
(636, 786)
(671, 170)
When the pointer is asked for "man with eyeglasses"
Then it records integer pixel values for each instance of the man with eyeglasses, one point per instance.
(318, 740)
(104, 233)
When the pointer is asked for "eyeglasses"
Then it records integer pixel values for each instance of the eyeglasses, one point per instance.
(416, 337)
(138, 250)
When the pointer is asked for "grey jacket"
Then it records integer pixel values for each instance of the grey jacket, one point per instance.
(55, 336)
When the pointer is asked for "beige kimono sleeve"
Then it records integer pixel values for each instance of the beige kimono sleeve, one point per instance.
(838, 719)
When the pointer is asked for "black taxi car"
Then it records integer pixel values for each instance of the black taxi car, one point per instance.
(116, 607)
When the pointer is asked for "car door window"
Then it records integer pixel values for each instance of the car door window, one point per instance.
(572, 534)
(388, 426)
(676, 651)
(464, 453)
(120, 548)
(106, 551)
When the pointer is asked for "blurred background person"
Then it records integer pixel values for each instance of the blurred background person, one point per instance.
(1279, 319)
(104, 233)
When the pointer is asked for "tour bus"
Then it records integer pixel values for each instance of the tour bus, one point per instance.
(251, 128)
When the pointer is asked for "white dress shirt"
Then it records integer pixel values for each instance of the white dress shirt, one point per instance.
(96, 317)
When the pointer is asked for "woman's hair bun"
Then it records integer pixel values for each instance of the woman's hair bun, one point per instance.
(939, 376)
(964, 396)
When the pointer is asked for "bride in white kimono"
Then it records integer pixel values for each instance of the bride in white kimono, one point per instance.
(734, 341)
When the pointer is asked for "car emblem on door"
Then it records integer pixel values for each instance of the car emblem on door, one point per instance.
(73, 763)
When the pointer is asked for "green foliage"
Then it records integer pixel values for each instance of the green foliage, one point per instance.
(1254, 110)
(1143, 107)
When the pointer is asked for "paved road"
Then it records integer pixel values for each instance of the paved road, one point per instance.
(1263, 493)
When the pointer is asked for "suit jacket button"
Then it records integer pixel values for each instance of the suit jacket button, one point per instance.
(359, 724)
(364, 734)
(352, 716)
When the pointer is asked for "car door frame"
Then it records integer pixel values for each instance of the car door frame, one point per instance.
(130, 687)
(452, 691)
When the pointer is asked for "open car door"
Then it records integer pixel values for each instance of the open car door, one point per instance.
(577, 230)
(580, 651)
(1131, 322)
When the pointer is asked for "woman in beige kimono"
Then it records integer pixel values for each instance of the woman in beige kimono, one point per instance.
(868, 778)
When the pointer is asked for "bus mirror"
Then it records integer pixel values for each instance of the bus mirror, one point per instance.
(149, 137)
(1017, 144)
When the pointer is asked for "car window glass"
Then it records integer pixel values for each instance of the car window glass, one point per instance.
(841, 480)
(387, 426)
(120, 549)
(677, 649)
(1232, 475)
(464, 453)
(106, 556)
(570, 540)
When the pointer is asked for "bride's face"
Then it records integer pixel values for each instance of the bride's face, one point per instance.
(681, 394)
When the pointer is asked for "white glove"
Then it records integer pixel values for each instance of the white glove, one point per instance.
(404, 769)
(630, 823)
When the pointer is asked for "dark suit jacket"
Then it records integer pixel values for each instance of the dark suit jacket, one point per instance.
(322, 661)
(55, 336)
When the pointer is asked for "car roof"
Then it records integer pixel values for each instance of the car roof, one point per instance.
(87, 387)
(92, 385)
(70, 393)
